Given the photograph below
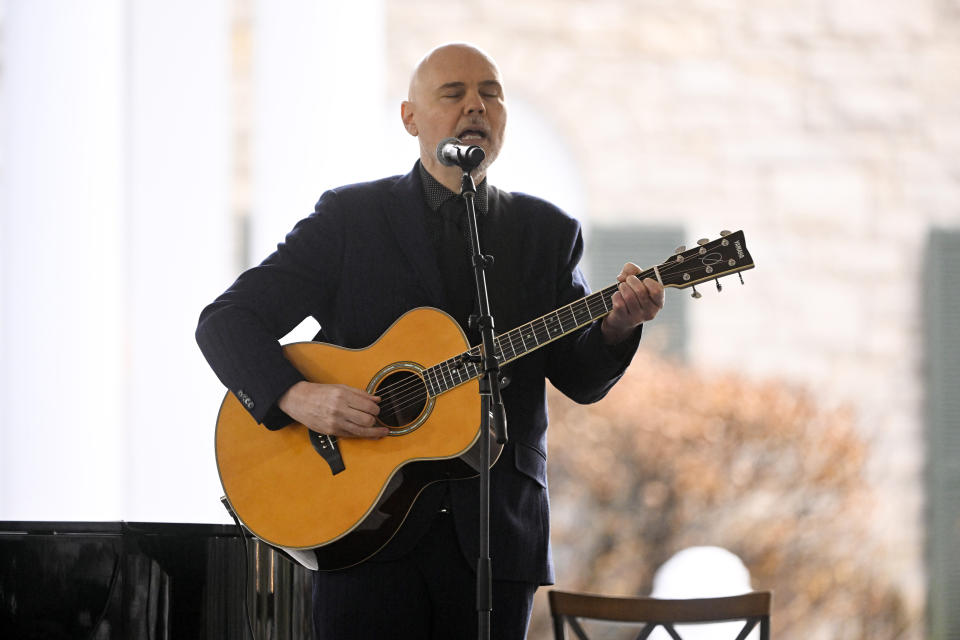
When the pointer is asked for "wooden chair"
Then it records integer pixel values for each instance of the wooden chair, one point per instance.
(569, 608)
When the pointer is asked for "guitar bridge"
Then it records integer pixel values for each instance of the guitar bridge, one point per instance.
(327, 447)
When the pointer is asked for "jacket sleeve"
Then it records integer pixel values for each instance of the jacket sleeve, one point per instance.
(581, 365)
(239, 332)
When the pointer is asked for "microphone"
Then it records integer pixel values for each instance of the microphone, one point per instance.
(452, 153)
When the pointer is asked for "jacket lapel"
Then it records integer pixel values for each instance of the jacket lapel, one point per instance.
(502, 236)
(405, 212)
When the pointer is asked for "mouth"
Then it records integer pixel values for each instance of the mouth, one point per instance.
(472, 135)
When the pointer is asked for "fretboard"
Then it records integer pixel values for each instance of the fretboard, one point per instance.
(518, 342)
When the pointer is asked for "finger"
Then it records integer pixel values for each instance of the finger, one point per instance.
(355, 424)
(654, 290)
(366, 403)
(359, 431)
(628, 270)
(631, 294)
(361, 400)
(359, 393)
(641, 299)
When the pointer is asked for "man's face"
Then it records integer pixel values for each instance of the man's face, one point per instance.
(456, 92)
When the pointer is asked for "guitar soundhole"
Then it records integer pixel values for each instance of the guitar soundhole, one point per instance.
(403, 397)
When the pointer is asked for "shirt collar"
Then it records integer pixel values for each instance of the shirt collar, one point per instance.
(436, 194)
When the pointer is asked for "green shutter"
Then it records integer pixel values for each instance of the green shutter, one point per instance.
(943, 433)
(608, 248)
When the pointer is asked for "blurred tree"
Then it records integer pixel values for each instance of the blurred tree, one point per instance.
(674, 458)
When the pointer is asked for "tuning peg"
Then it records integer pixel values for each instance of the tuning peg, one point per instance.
(725, 233)
(719, 286)
(703, 241)
(695, 294)
(740, 275)
(680, 249)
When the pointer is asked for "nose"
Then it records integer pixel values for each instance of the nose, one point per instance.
(474, 104)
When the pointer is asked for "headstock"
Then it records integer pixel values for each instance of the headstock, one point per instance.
(710, 260)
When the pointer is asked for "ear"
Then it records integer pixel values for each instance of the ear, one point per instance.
(406, 114)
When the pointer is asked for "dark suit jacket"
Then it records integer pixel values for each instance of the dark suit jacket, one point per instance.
(359, 262)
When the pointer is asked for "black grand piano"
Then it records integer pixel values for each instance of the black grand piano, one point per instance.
(149, 581)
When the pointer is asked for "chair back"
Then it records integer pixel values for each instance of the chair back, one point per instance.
(569, 609)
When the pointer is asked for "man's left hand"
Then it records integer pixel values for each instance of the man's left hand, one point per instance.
(636, 301)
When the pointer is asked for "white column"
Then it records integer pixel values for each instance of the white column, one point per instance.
(116, 229)
(178, 251)
(61, 250)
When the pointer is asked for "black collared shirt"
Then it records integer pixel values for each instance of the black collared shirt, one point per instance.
(436, 194)
(445, 222)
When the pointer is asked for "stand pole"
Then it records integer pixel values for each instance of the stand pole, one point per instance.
(491, 405)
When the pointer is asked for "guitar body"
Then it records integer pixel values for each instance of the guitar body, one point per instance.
(288, 494)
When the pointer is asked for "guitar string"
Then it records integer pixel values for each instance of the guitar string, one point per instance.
(416, 385)
(412, 391)
(540, 336)
(550, 324)
(453, 370)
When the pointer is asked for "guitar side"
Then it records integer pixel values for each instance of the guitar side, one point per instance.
(286, 494)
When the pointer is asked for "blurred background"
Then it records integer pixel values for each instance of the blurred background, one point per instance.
(808, 422)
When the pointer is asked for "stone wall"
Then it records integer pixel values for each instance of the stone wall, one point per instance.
(828, 130)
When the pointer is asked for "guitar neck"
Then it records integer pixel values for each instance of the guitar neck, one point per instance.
(710, 260)
(524, 339)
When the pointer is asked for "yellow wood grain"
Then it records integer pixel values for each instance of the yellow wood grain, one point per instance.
(281, 488)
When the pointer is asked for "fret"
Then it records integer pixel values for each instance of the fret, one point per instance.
(554, 326)
(607, 300)
(506, 347)
(523, 340)
(515, 337)
(502, 353)
(438, 380)
(536, 328)
(598, 306)
(529, 335)
(581, 312)
(570, 323)
(539, 328)
(447, 375)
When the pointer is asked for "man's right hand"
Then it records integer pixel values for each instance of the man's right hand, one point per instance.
(333, 409)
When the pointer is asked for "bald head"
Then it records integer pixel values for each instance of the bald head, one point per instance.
(455, 91)
(443, 55)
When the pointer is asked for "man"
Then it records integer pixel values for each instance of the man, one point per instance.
(369, 253)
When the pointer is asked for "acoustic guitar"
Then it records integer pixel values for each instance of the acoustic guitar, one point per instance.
(333, 502)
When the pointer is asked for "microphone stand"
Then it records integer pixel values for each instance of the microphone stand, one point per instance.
(491, 404)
